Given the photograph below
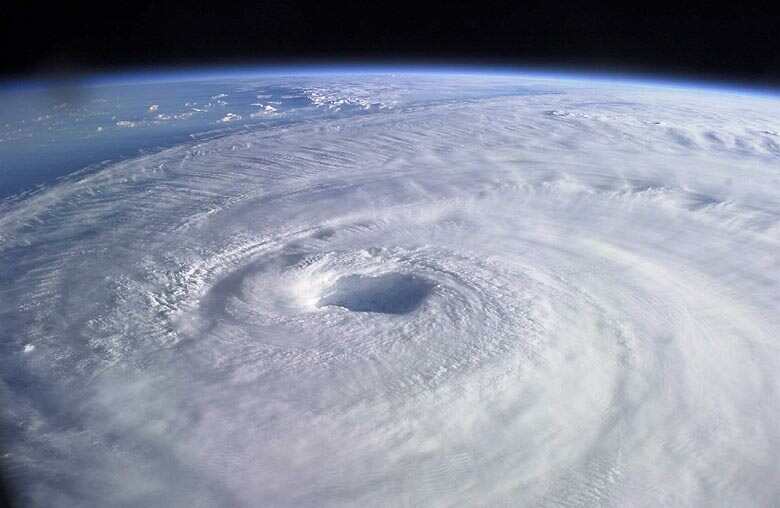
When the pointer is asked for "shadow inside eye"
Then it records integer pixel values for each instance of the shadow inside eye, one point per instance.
(392, 293)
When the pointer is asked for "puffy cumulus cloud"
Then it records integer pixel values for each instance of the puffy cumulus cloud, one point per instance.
(558, 299)
(230, 117)
(265, 110)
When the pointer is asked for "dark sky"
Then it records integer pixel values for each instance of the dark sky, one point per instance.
(736, 41)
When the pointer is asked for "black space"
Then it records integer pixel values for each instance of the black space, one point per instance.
(738, 42)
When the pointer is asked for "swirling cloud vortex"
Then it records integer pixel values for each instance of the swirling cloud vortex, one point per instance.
(554, 299)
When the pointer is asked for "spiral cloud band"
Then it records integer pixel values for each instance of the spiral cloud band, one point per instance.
(551, 299)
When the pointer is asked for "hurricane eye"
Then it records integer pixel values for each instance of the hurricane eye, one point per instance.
(391, 293)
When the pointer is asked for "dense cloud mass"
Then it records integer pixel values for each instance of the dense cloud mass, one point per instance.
(565, 298)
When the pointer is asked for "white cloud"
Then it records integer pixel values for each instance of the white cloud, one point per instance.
(230, 117)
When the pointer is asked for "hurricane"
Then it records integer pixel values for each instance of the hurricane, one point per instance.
(405, 290)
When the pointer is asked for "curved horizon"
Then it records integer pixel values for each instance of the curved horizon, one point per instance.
(157, 74)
